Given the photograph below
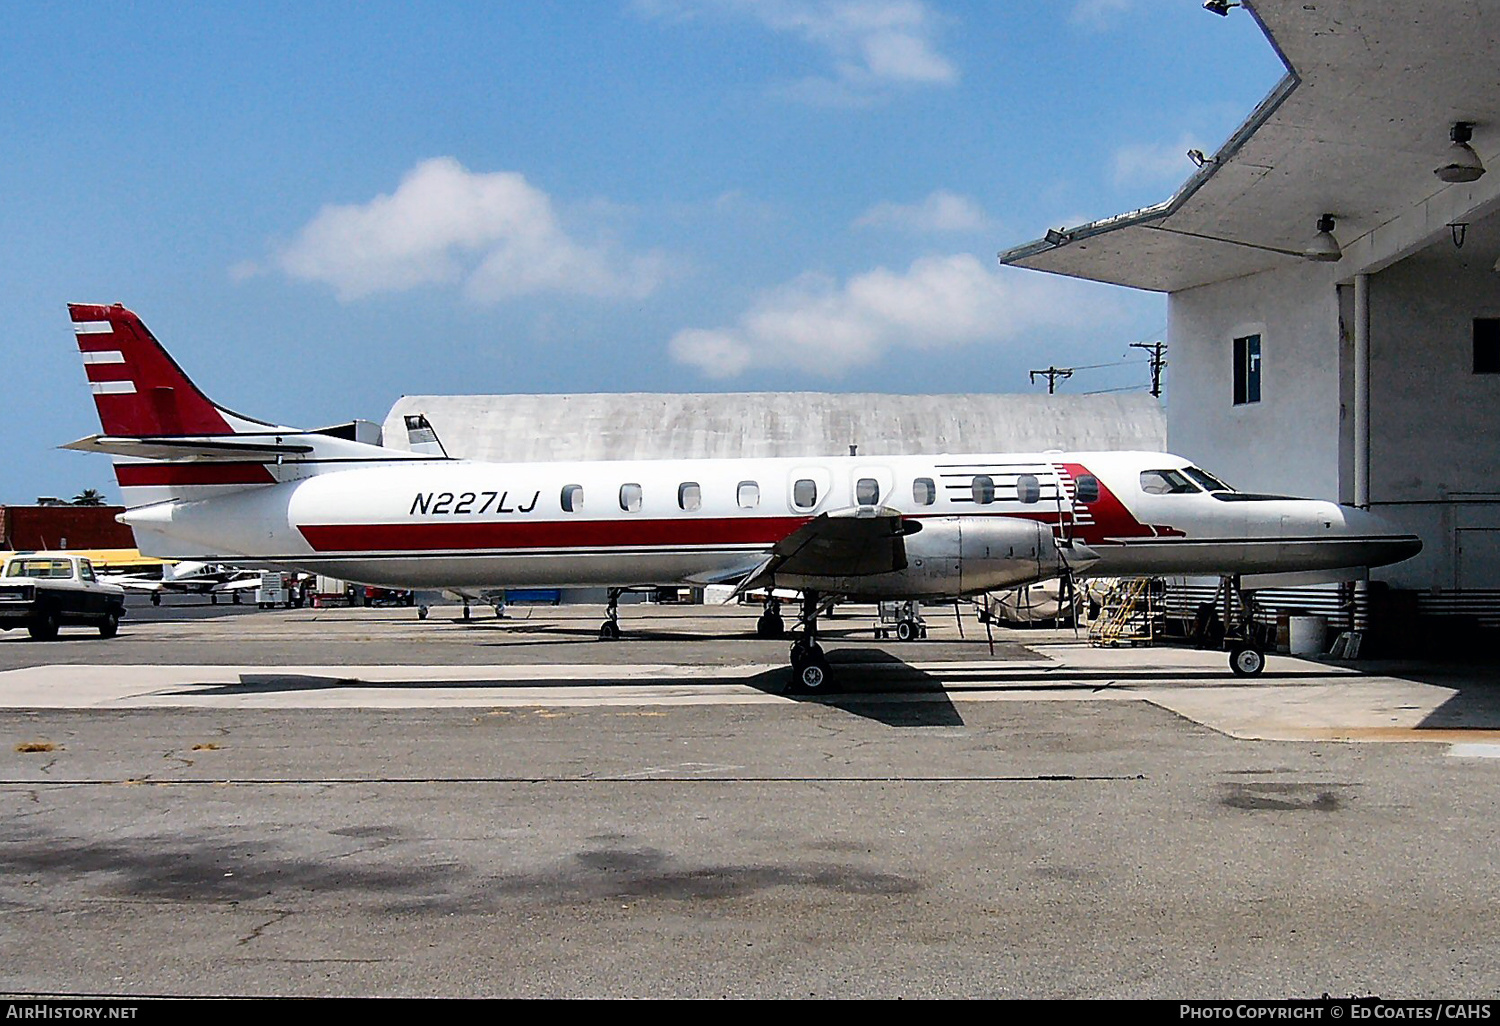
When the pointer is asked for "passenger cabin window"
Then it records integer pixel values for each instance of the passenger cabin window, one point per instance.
(748, 495)
(690, 496)
(630, 498)
(923, 491)
(1028, 488)
(1247, 370)
(805, 493)
(1166, 482)
(983, 489)
(1087, 488)
(867, 491)
(1487, 345)
(572, 498)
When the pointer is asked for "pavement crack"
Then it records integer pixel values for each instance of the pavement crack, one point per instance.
(256, 933)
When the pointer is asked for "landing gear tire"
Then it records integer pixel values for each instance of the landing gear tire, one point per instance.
(1246, 660)
(770, 626)
(609, 631)
(44, 627)
(110, 626)
(810, 672)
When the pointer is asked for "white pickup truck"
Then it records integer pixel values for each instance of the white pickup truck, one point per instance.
(43, 591)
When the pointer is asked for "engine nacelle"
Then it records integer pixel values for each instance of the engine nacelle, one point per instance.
(948, 557)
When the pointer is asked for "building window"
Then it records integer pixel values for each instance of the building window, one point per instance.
(805, 493)
(572, 498)
(983, 489)
(690, 496)
(630, 498)
(924, 491)
(1247, 370)
(748, 495)
(1487, 345)
(1028, 488)
(866, 491)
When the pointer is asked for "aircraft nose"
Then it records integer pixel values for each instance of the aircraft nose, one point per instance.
(1383, 542)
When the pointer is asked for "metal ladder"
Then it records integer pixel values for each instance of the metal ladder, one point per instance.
(1126, 615)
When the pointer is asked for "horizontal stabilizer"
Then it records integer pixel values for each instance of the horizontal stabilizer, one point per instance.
(217, 448)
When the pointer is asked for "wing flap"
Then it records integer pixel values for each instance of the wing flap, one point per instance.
(855, 544)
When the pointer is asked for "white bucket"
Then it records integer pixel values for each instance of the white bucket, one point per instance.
(1307, 635)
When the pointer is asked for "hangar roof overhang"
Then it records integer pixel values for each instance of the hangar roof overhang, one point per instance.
(1354, 129)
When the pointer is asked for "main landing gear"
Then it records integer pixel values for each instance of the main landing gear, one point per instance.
(1246, 657)
(609, 630)
(770, 624)
(810, 672)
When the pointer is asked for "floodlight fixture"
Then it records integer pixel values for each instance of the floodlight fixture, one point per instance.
(1324, 248)
(1463, 164)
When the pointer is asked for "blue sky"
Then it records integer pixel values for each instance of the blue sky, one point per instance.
(319, 207)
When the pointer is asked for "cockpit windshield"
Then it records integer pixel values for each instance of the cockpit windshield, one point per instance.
(1166, 482)
(1207, 480)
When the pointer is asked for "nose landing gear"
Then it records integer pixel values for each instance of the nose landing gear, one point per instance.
(1246, 657)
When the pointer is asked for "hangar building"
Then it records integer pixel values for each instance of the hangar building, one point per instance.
(1360, 363)
(626, 426)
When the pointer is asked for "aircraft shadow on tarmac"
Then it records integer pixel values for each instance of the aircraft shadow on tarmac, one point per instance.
(875, 685)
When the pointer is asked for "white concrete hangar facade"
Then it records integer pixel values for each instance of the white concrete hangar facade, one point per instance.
(1373, 377)
(634, 425)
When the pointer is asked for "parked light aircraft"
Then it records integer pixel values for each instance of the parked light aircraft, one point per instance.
(204, 483)
(190, 577)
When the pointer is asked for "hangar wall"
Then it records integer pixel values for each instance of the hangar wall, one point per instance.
(621, 426)
(1434, 422)
(1287, 442)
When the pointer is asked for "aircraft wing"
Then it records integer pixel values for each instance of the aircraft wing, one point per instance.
(846, 544)
(239, 584)
(131, 583)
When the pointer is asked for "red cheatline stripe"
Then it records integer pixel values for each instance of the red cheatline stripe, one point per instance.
(133, 474)
(548, 534)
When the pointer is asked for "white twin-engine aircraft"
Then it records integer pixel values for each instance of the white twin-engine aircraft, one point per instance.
(204, 483)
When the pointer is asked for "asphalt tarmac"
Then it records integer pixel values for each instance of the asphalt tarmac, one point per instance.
(225, 801)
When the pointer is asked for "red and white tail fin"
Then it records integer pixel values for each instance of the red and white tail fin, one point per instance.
(170, 442)
(139, 389)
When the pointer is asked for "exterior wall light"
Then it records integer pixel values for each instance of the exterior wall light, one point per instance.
(1463, 164)
(1324, 248)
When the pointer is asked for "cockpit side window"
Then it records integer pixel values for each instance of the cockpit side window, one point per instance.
(1166, 482)
(1207, 480)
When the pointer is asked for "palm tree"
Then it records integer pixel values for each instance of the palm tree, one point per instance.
(89, 497)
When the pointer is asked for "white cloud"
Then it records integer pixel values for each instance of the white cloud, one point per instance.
(942, 211)
(818, 326)
(873, 44)
(1154, 163)
(494, 233)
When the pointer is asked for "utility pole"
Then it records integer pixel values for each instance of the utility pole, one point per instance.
(1053, 376)
(1158, 351)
